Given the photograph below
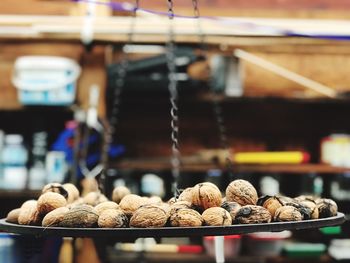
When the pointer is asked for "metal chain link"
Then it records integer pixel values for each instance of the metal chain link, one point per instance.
(172, 87)
(119, 84)
(217, 107)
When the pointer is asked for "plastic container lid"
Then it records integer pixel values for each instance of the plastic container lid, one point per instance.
(270, 235)
(13, 139)
(226, 237)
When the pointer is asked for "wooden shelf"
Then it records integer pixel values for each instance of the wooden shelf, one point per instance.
(25, 194)
(162, 164)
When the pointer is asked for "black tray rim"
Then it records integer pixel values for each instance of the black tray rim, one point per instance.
(121, 233)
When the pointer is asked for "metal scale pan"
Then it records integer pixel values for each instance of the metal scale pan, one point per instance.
(123, 233)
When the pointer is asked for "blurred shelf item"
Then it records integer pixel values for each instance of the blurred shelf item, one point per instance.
(158, 164)
(28, 194)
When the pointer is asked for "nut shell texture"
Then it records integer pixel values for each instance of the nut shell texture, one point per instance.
(253, 214)
(287, 213)
(130, 203)
(55, 217)
(119, 192)
(149, 216)
(185, 217)
(50, 201)
(242, 192)
(80, 216)
(112, 218)
(206, 195)
(217, 216)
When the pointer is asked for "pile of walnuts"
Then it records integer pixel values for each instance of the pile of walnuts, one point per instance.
(203, 204)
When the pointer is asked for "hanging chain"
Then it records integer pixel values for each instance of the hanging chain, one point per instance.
(172, 86)
(217, 107)
(119, 84)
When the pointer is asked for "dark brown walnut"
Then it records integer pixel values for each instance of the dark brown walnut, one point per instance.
(130, 203)
(12, 216)
(53, 218)
(304, 210)
(29, 214)
(186, 195)
(253, 214)
(242, 192)
(112, 218)
(311, 205)
(94, 198)
(80, 216)
(119, 192)
(271, 203)
(185, 217)
(149, 216)
(106, 205)
(216, 216)
(326, 207)
(206, 195)
(231, 207)
(72, 191)
(287, 213)
(55, 188)
(50, 201)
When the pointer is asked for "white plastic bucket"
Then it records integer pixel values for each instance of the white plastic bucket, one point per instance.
(45, 80)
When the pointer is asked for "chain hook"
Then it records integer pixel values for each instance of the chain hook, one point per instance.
(119, 84)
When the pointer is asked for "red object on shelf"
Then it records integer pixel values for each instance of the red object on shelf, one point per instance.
(196, 249)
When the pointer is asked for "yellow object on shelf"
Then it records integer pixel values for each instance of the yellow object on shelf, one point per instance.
(293, 157)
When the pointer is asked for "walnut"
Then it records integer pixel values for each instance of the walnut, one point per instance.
(185, 217)
(55, 188)
(171, 201)
(179, 205)
(29, 214)
(311, 198)
(119, 192)
(130, 203)
(242, 192)
(12, 216)
(304, 210)
(80, 216)
(312, 206)
(106, 205)
(55, 217)
(287, 213)
(271, 203)
(326, 207)
(216, 216)
(73, 192)
(79, 201)
(231, 207)
(154, 200)
(50, 201)
(253, 214)
(94, 198)
(186, 195)
(149, 216)
(206, 195)
(112, 218)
